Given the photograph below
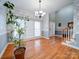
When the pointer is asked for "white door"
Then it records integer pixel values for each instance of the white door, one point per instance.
(29, 29)
(52, 28)
(37, 29)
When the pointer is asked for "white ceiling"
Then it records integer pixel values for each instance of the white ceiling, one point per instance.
(47, 5)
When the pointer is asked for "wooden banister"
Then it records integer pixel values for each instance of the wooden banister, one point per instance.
(67, 34)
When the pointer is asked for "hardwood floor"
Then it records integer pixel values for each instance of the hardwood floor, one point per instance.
(44, 49)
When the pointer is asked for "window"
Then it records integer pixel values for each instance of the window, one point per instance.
(37, 28)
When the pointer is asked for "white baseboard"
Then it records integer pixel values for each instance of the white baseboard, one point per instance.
(35, 38)
(31, 38)
(72, 46)
(3, 50)
(46, 37)
(58, 35)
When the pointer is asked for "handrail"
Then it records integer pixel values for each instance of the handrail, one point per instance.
(67, 34)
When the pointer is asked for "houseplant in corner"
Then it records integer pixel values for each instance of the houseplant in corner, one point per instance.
(11, 21)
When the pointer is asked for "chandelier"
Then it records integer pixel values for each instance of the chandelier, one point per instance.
(40, 13)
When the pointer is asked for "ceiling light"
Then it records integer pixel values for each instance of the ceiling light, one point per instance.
(40, 13)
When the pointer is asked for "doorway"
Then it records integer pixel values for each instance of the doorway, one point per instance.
(37, 29)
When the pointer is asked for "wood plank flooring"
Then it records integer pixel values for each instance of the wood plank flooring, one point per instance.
(44, 49)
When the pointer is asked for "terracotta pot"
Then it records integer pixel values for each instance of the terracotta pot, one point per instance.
(19, 52)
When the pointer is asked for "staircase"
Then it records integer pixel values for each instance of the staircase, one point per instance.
(67, 34)
(68, 39)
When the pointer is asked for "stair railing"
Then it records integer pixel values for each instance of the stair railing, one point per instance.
(67, 34)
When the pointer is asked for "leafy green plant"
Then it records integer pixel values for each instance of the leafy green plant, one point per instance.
(10, 6)
(10, 16)
(20, 32)
(17, 43)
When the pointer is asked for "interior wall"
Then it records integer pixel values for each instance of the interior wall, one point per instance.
(45, 25)
(51, 28)
(29, 28)
(52, 23)
(52, 17)
(76, 20)
(3, 36)
(63, 16)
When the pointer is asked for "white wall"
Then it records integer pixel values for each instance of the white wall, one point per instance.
(52, 17)
(45, 25)
(29, 28)
(3, 36)
(63, 16)
(76, 17)
(51, 28)
(52, 23)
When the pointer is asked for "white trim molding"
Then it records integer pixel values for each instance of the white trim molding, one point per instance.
(45, 37)
(3, 50)
(71, 45)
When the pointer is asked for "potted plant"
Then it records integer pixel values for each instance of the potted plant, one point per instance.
(10, 23)
(19, 50)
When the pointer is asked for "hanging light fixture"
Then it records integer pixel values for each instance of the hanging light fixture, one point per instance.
(40, 13)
